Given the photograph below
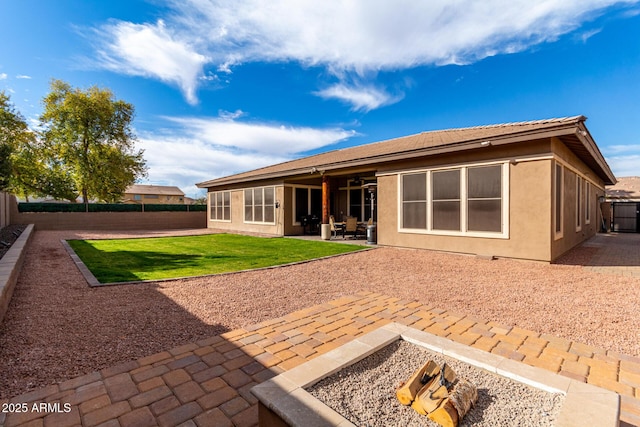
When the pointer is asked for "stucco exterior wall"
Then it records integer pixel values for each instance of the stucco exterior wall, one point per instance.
(237, 223)
(571, 235)
(160, 199)
(529, 218)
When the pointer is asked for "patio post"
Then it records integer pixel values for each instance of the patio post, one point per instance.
(325, 228)
(325, 199)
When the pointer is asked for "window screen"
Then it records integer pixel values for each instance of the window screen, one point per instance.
(446, 200)
(484, 198)
(414, 201)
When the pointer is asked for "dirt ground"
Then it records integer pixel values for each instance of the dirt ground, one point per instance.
(57, 327)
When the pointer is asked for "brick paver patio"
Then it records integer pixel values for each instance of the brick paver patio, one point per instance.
(621, 254)
(207, 383)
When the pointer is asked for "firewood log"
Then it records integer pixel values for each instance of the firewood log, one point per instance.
(453, 409)
(407, 391)
(431, 395)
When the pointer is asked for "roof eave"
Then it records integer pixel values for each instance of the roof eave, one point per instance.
(574, 127)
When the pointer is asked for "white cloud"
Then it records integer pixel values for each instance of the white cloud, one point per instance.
(202, 149)
(3, 76)
(624, 160)
(152, 50)
(619, 149)
(259, 137)
(625, 165)
(361, 98)
(22, 76)
(358, 37)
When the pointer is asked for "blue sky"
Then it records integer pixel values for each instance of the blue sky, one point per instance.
(226, 86)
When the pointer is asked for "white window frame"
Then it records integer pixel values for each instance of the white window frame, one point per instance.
(558, 233)
(504, 234)
(264, 205)
(213, 205)
(587, 202)
(579, 202)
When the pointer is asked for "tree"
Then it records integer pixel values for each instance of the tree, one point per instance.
(88, 136)
(36, 172)
(12, 127)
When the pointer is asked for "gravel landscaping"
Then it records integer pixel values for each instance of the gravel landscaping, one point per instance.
(57, 327)
(364, 393)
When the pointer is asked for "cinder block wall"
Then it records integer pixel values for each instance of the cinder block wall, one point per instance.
(109, 220)
(5, 206)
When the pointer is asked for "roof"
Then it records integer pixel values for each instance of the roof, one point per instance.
(161, 190)
(570, 129)
(627, 188)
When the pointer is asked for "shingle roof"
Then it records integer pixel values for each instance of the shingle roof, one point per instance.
(161, 190)
(627, 188)
(407, 146)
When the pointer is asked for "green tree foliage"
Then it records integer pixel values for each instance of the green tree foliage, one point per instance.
(36, 172)
(25, 166)
(88, 139)
(12, 126)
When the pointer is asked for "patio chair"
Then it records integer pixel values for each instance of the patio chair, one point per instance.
(351, 227)
(335, 227)
(362, 227)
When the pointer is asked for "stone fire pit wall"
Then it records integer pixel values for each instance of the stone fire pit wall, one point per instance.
(283, 400)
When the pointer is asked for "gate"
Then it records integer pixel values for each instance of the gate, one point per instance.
(626, 217)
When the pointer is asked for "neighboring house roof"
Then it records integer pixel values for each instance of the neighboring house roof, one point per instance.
(571, 130)
(161, 190)
(627, 188)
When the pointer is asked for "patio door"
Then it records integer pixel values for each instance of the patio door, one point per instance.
(626, 217)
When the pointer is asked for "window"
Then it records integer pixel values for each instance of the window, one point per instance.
(355, 203)
(446, 200)
(587, 202)
(151, 196)
(559, 200)
(220, 205)
(470, 200)
(259, 205)
(307, 201)
(414, 201)
(484, 198)
(137, 197)
(579, 188)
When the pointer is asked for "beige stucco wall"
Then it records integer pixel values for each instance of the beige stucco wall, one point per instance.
(530, 169)
(529, 218)
(237, 223)
(154, 199)
(574, 167)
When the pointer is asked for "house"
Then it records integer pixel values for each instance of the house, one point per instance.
(153, 194)
(526, 190)
(622, 210)
(626, 189)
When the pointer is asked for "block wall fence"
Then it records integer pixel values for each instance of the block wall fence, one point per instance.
(106, 220)
(5, 207)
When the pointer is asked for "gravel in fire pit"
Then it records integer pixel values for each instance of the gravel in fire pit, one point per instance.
(364, 393)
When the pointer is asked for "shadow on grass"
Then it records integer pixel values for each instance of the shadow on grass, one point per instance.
(220, 254)
(130, 266)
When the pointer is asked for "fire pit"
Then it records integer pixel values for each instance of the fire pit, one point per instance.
(288, 399)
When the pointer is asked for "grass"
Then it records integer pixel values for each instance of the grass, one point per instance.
(125, 260)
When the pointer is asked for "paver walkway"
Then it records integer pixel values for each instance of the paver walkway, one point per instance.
(207, 383)
(618, 253)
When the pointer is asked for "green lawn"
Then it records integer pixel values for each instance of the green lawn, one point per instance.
(125, 260)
